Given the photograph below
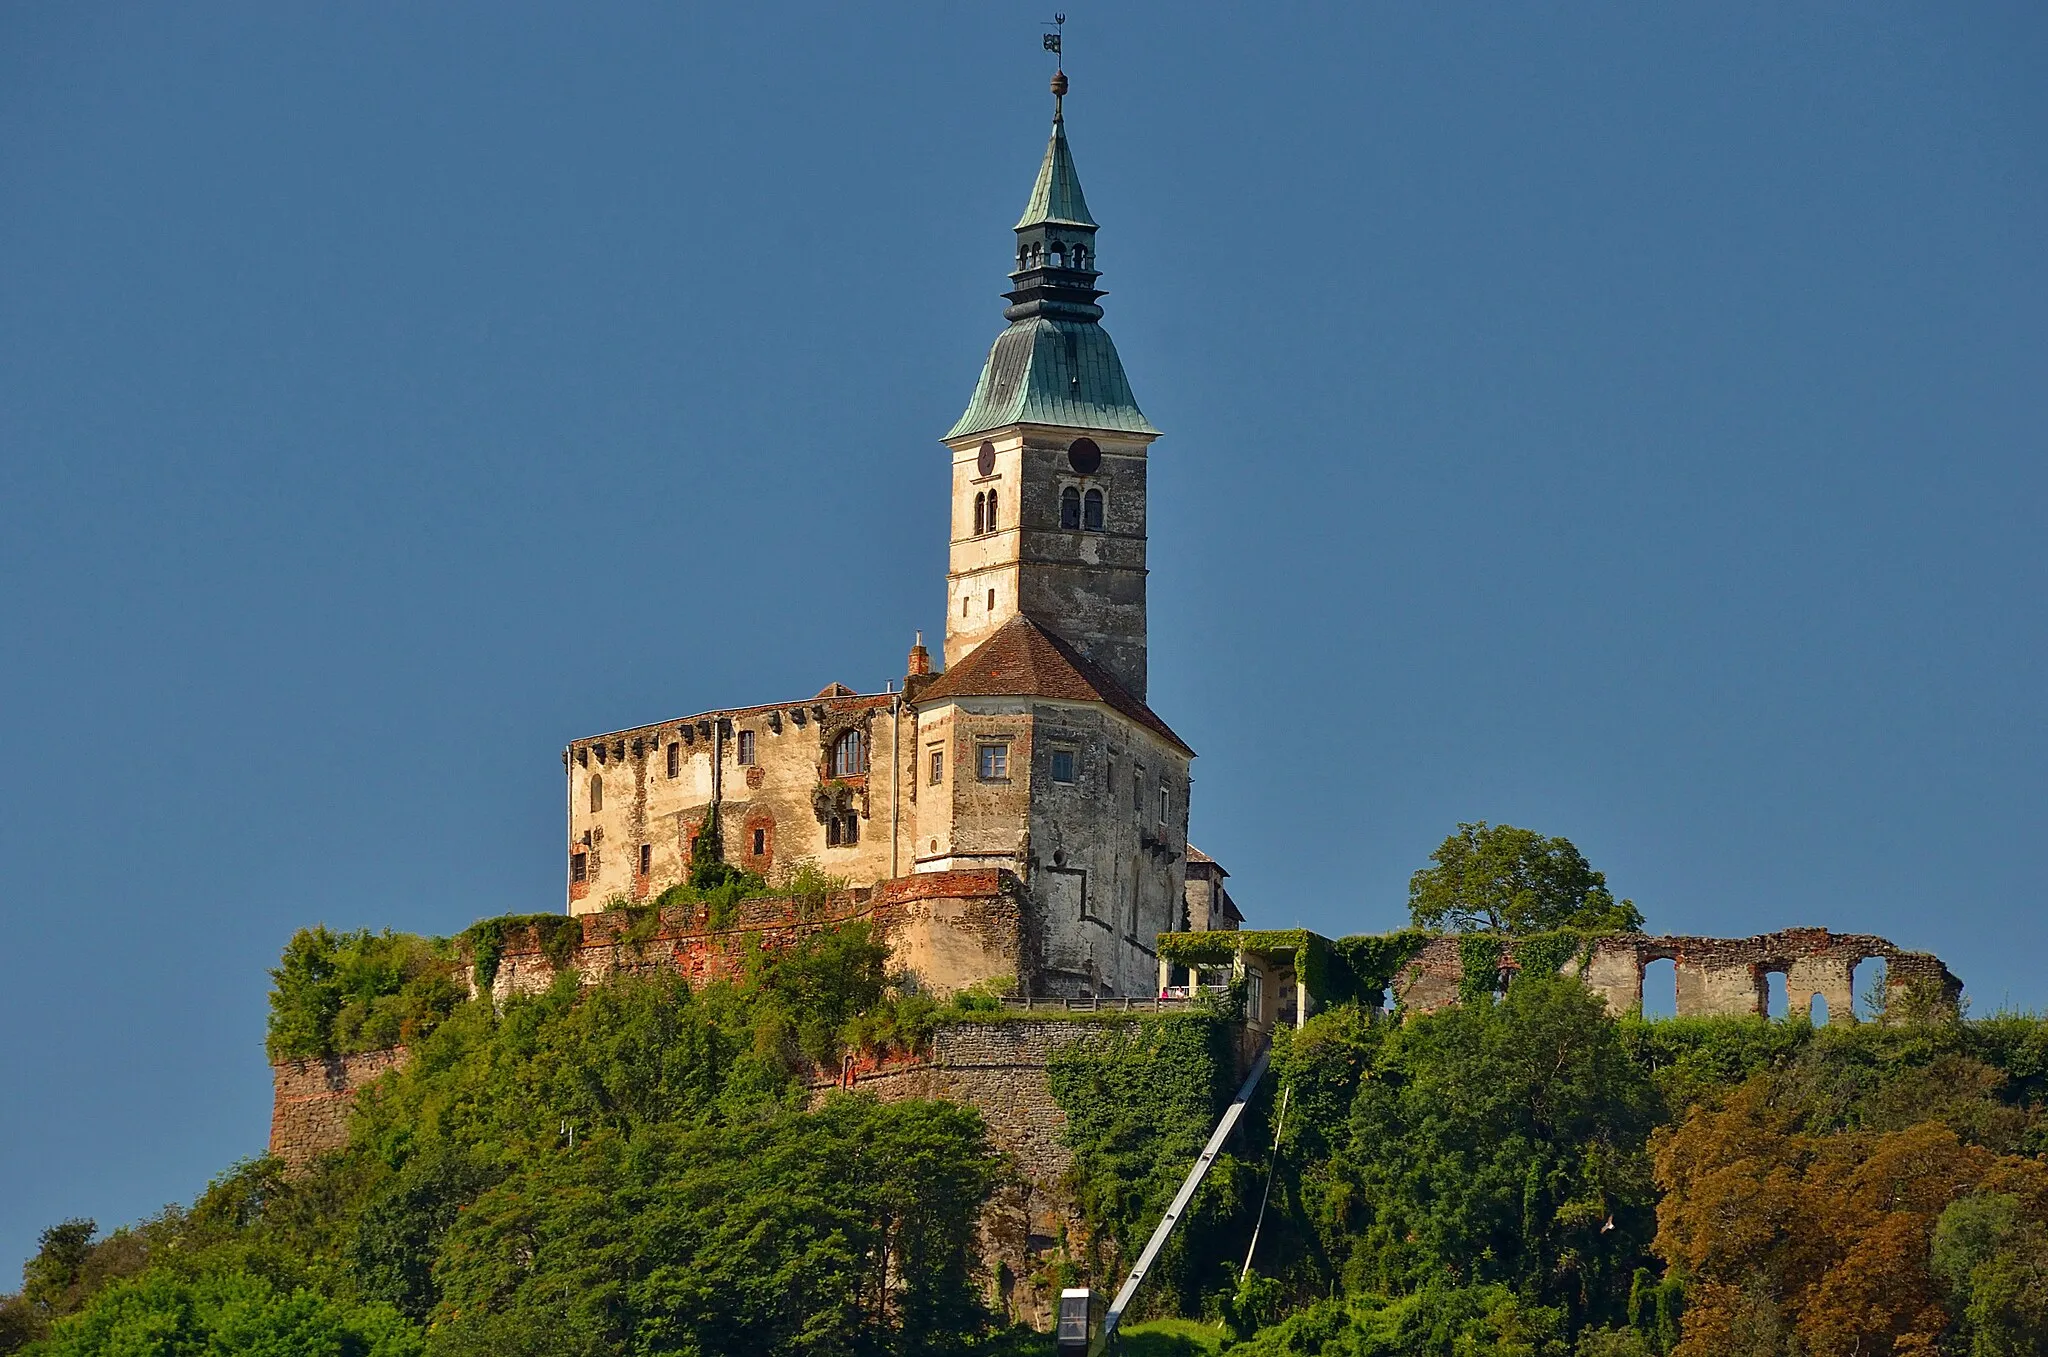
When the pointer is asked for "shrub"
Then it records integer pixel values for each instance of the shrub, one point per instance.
(339, 993)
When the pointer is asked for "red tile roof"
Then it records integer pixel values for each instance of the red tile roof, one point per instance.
(1024, 659)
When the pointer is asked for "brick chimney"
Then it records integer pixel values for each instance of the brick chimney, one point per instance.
(920, 658)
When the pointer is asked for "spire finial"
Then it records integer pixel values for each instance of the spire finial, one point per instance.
(1059, 74)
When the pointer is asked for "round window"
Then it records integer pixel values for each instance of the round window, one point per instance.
(1084, 456)
(986, 463)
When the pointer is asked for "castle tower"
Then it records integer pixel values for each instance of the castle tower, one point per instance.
(1049, 458)
(1036, 752)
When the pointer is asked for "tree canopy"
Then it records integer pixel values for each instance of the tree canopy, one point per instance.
(1501, 879)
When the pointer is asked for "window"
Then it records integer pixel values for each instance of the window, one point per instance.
(646, 859)
(760, 842)
(1070, 508)
(579, 866)
(842, 831)
(747, 747)
(1091, 512)
(1062, 765)
(991, 600)
(991, 511)
(1138, 790)
(849, 755)
(938, 765)
(1254, 994)
(995, 762)
(596, 793)
(1165, 805)
(675, 759)
(980, 512)
(963, 605)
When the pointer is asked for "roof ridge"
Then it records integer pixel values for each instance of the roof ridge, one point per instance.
(980, 674)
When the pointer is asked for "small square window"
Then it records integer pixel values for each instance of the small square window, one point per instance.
(995, 762)
(747, 747)
(1062, 765)
(842, 831)
(938, 766)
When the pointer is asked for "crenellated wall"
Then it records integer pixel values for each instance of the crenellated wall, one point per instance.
(1715, 976)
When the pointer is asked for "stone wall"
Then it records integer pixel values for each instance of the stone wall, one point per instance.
(639, 796)
(1715, 976)
(310, 1101)
(948, 930)
(999, 1068)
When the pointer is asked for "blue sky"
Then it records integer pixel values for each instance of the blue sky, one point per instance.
(1625, 421)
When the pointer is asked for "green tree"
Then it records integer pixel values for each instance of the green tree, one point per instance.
(846, 1231)
(1501, 879)
(164, 1314)
(1490, 1144)
(1994, 1260)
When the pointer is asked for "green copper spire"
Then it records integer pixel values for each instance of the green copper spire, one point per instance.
(1056, 197)
(1054, 365)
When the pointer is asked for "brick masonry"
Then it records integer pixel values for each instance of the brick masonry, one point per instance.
(310, 1101)
(947, 930)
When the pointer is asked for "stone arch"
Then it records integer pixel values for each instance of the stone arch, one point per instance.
(1660, 987)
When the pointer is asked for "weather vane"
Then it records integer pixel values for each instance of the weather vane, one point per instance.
(1059, 74)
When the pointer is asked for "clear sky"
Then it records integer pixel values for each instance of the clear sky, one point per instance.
(1621, 420)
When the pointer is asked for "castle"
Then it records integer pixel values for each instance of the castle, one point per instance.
(1034, 752)
(1020, 820)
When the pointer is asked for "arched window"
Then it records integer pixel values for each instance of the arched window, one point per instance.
(1091, 511)
(1059, 255)
(1070, 508)
(991, 511)
(849, 755)
(596, 793)
(980, 508)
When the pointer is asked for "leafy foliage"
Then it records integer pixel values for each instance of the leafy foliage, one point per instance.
(229, 1312)
(1437, 1321)
(1507, 880)
(1491, 1144)
(629, 1168)
(338, 993)
(1140, 1099)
